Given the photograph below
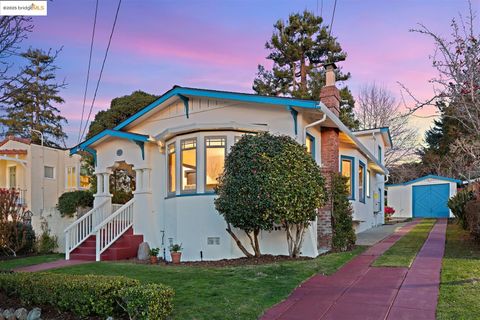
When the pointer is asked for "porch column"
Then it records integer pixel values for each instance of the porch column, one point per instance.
(106, 183)
(139, 180)
(146, 179)
(103, 188)
(99, 183)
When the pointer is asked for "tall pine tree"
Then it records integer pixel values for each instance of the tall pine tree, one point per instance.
(299, 48)
(32, 99)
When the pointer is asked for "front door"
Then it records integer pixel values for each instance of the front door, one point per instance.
(12, 176)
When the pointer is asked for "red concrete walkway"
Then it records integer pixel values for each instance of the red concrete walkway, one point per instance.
(358, 291)
(50, 265)
(418, 296)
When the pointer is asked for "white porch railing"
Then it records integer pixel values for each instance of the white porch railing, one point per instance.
(82, 228)
(116, 206)
(113, 227)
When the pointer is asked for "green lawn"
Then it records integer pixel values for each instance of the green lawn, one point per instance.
(404, 251)
(460, 279)
(28, 261)
(223, 293)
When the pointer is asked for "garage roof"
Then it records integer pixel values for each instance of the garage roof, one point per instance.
(430, 176)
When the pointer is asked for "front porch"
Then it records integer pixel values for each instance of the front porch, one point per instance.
(14, 173)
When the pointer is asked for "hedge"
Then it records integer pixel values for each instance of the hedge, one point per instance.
(70, 201)
(90, 295)
(472, 216)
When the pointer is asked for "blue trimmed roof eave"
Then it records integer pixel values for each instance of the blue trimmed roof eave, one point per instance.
(109, 132)
(214, 94)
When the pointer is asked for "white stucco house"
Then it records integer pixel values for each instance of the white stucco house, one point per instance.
(425, 197)
(177, 146)
(41, 175)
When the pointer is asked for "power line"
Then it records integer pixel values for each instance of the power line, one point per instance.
(88, 72)
(333, 17)
(101, 70)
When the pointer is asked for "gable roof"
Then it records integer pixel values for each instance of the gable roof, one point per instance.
(184, 92)
(178, 91)
(17, 139)
(430, 176)
(385, 131)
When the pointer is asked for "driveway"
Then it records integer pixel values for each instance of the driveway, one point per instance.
(359, 291)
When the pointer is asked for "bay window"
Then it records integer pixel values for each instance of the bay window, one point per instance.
(171, 164)
(189, 165)
(215, 149)
(346, 168)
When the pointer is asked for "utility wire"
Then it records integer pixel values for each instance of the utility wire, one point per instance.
(88, 72)
(101, 70)
(333, 17)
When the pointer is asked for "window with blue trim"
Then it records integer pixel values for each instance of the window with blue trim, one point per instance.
(380, 154)
(346, 169)
(310, 144)
(361, 182)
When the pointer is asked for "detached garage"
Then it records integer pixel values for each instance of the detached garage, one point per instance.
(425, 197)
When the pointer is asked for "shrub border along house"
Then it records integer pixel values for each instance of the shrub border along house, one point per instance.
(90, 295)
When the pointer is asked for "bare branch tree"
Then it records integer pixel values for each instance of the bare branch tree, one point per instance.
(13, 30)
(457, 61)
(376, 108)
(456, 88)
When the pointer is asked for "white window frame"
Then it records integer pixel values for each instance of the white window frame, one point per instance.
(77, 178)
(206, 190)
(53, 172)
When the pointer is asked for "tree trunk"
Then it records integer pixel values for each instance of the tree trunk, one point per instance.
(303, 75)
(238, 242)
(257, 244)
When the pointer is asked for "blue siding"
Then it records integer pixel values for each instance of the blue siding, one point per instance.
(430, 201)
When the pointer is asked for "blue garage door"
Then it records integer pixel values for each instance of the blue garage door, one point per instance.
(430, 201)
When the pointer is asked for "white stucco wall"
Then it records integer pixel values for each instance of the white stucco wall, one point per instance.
(399, 197)
(191, 219)
(42, 193)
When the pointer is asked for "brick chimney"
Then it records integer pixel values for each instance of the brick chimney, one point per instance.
(330, 96)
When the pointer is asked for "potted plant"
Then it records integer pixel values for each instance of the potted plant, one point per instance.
(176, 253)
(153, 255)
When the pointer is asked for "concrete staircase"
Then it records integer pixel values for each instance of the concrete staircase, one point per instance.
(123, 248)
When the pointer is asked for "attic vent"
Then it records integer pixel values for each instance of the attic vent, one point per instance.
(119, 152)
(211, 241)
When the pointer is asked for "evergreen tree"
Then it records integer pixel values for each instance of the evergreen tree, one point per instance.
(120, 109)
(299, 48)
(31, 100)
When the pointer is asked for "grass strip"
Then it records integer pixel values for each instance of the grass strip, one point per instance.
(404, 251)
(241, 292)
(460, 278)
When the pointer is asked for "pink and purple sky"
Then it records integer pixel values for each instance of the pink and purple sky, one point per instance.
(218, 44)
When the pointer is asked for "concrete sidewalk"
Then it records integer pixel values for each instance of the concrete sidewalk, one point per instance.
(359, 291)
(374, 235)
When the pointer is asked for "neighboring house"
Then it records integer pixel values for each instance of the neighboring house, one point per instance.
(41, 175)
(425, 197)
(177, 147)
